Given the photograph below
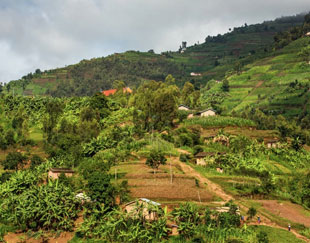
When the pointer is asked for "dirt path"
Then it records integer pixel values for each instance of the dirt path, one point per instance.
(226, 197)
(212, 186)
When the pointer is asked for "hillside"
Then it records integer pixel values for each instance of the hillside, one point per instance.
(277, 84)
(212, 59)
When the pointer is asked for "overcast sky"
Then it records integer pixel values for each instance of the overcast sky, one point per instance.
(47, 34)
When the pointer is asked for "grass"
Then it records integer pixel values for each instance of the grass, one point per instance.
(277, 235)
(265, 83)
(219, 121)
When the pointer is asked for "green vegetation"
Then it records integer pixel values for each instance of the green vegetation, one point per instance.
(219, 121)
(107, 148)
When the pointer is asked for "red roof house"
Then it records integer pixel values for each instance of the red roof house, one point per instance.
(113, 91)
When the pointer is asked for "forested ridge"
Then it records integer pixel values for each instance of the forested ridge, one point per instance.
(212, 59)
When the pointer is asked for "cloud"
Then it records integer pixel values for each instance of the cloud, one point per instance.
(47, 34)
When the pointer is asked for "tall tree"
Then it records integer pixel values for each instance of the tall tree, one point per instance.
(186, 93)
(156, 105)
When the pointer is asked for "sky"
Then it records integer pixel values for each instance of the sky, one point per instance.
(47, 34)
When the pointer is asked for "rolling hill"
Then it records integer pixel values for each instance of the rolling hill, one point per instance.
(277, 84)
(212, 59)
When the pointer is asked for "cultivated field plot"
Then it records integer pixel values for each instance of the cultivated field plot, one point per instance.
(284, 209)
(159, 186)
(249, 132)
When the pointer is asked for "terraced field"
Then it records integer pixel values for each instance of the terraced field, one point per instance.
(278, 84)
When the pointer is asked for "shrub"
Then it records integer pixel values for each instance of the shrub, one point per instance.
(251, 212)
(35, 161)
(9, 137)
(184, 157)
(3, 143)
(13, 161)
(262, 237)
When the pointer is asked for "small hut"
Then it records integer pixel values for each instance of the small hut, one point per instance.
(226, 210)
(190, 116)
(132, 207)
(173, 229)
(219, 169)
(272, 143)
(54, 173)
(208, 138)
(200, 158)
(207, 112)
(183, 108)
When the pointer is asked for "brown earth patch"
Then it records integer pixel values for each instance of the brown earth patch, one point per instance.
(21, 237)
(162, 188)
(288, 210)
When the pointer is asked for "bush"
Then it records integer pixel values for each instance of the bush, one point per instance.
(251, 212)
(35, 161)
(184, 157)
(9, 137)
(25, 142)
(3, 143)
(262, 237)
(13, 161)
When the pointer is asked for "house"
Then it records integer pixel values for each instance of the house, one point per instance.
(219, 169)
(209, 137)
(200, 158)
(207, 112)
(226, 210)
(272, 143)
(146, 205)
(173, 229)
(190, 116)
(54, 173)
(183, 108)
(195, 74)
(113, 91)
(82, 197)
(222, 139)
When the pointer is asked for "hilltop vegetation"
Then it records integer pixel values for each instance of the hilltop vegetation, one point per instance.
(211, 59)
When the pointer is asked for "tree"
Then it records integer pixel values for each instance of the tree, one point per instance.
(13, 161)
(187, 90)
(1, 87)
(155, 159)
(225, 85)
(237, 67)
(54, 109)
(170, 80)
(156, 105)
(251, 212)
(100, 188)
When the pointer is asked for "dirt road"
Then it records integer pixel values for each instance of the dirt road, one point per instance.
(188, 170)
